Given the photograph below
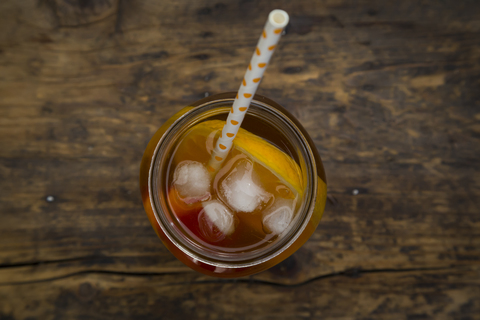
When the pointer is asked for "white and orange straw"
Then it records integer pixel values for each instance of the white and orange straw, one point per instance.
(277, 20)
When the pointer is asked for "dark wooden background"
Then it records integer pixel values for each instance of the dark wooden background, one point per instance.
(389, 91)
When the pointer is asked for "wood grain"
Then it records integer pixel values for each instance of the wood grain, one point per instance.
(440, 294)
(387, 90)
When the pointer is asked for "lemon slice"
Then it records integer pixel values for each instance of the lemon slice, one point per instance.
(278, 162)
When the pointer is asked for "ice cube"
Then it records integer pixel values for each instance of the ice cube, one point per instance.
(192, 181)
(239, 190)
(277, 218)
(216, 221)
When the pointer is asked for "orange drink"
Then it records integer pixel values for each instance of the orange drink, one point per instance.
(255, 210)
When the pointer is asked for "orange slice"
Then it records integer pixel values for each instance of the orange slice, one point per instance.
(259, 150)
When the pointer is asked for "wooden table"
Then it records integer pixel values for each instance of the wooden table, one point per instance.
(388, 90)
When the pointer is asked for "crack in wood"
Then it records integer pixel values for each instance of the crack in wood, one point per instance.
(353, 273)
(36, 263)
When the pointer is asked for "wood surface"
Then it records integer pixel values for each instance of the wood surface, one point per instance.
(388, 90)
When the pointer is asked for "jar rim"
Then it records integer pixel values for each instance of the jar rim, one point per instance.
(159, 205)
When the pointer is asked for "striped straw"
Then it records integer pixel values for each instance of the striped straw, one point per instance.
(277, 20)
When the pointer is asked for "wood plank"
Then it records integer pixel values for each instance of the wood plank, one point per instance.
(355, 235)
(441, 294)
(69, 146)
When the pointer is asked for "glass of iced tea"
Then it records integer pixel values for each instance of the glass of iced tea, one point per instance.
(256, 210)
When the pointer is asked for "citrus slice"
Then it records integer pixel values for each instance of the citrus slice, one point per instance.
(259, 150)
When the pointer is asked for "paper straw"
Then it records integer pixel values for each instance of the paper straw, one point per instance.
(277, 20)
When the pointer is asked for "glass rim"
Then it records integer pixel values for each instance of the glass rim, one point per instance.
(270, 252)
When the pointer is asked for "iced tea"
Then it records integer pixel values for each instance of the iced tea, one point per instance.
(246, 204)
(258, 208)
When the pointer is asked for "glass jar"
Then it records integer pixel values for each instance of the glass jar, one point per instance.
(266, 119)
